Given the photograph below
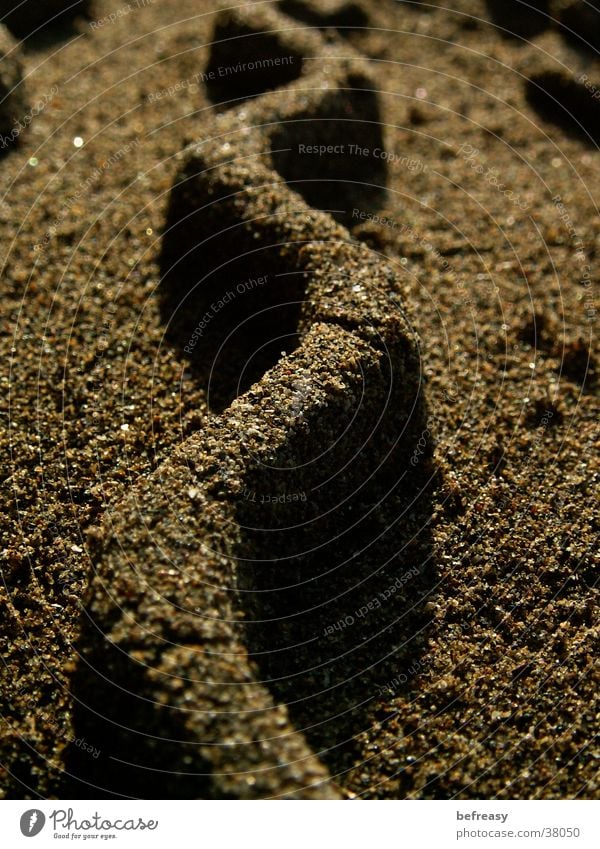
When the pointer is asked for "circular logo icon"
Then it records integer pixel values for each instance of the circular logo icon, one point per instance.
(32, 822)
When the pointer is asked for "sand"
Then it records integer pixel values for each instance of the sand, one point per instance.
(451, 654)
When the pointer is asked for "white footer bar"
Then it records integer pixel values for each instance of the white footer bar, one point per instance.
(302, 825)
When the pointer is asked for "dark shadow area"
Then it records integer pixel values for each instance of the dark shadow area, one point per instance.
(230, 298)
(579, 364)
(342, 16)
(581, 23)
(520, 20)
(327, 156)
(107, 759)
(336, 163)
(229, 302)
(10, 148)
(244, 63)
(231, 293)
(42, 23)
(336, 564)
(564, 101)
(332, 587)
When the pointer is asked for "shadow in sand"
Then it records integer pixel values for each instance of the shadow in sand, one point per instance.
(334, 568)
(334, 614)
(334, 565)
(109, 759)
(565, 101)
(344, 17)
(227, 82)
(230, 296)
(231, 304)
(43, 24)
(231, 316)
(520, 20)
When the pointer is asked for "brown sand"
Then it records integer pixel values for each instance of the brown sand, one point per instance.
(475, 679)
